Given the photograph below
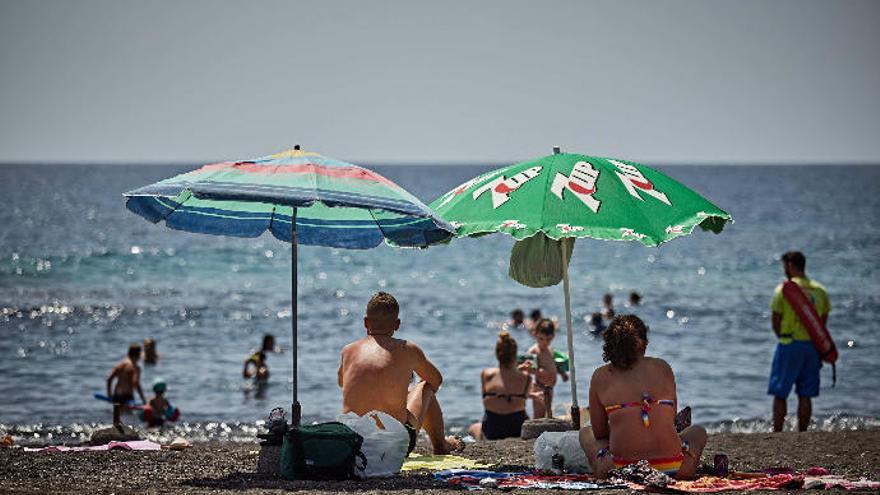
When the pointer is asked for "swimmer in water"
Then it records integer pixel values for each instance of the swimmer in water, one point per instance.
(534, 318)
(150, 353)
(159, 410)
(608, 306)
(517, 319)
(255, 367)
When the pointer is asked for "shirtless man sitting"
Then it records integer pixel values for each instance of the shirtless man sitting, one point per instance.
(375, 374)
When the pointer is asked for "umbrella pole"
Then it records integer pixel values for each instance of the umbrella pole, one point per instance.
(575, 410)
(295, 409)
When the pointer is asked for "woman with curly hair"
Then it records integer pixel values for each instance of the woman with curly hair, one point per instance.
(505, 389)
(632, 408)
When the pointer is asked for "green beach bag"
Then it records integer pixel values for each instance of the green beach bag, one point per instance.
(325, 451)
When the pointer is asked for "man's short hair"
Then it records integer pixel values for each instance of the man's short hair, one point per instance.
(383, 305)
(796, 258)
(134, 351)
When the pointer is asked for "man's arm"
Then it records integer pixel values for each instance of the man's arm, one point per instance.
(339, 372)
(110, 379)
(246, 371)
(425, 368)
(777, 323)
(137, 384)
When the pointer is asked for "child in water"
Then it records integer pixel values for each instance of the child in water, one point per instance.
(255, 365)
(159, 410)
(545, 374)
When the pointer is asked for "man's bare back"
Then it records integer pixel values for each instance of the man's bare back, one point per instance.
(127, 375)
(375, 373)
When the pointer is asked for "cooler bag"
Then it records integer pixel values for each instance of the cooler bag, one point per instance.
(325, 451)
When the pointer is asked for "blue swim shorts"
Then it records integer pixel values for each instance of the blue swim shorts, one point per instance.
(797, 364)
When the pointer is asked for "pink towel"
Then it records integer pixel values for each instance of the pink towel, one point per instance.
(133, 445)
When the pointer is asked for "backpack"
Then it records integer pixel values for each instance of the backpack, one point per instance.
(324, 451)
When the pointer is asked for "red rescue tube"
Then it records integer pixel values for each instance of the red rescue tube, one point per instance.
(806, 312)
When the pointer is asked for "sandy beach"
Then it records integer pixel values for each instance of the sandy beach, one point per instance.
(231, 467)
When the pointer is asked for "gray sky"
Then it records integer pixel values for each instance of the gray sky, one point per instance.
(442, 81)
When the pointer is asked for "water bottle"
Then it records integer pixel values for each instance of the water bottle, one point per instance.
(557, 463)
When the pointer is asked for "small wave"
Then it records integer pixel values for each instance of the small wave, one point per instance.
(835, 422)
(42, 434)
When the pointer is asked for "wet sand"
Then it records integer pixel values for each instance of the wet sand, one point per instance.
(231, 467)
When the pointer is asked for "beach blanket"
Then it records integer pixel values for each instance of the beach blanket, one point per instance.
(712, 484)
(133, 445)
(439, 462)
(830, 482)
(478, 480)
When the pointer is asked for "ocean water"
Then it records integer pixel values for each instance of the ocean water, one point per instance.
(81, 278)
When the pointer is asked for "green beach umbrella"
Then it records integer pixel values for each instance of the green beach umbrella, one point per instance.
(547, 203)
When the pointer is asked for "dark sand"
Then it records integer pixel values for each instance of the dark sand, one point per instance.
(230, 467)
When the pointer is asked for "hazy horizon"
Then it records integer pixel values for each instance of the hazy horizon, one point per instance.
(394, 82)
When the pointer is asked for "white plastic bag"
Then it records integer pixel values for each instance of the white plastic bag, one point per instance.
(385, 449)
(564, 443)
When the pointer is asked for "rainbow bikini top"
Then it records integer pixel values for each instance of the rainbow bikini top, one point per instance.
(646, 403)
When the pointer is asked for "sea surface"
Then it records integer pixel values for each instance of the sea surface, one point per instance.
(81, 278)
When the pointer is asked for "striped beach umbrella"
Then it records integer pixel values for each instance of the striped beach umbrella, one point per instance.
(301, 198)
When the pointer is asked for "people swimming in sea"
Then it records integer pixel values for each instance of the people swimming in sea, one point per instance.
(151, 356)
(608, 306)
(633, 407)
(597, 323)
(516, 321)
(546, 369)
(158, 410)
(534, 318)
(127, 377)
(505, 390)
(255, 365)
(375, 375)
(635, 299)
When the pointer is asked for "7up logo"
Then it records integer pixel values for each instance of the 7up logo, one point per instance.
(501, 187)
(581, 182)
(460, 189)
(635, 182)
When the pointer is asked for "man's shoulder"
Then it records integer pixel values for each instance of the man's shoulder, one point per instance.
(354, 344)
(815, 285)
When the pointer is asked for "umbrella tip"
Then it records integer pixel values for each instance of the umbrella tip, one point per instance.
(296, 147)
(557, 150)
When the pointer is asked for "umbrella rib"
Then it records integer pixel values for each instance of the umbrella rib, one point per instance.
(378, 224)
(546, 196)
(173, 209)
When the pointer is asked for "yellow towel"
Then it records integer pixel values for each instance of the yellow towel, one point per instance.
(439, 462)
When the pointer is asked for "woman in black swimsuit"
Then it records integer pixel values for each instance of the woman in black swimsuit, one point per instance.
(504, 394)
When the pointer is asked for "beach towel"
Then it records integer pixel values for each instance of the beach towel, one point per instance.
(439, 462)
(787, 481)
(830, 482)
(478, 480)
(712, 484)
(132, 445)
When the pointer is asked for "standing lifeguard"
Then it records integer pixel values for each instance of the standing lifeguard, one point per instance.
(796, 361)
